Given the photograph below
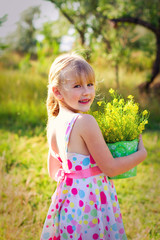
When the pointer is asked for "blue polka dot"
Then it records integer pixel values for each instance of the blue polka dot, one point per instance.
(102, 209)
(74, 158)
(79, 212)
(114, 227)
(73, 210)
(46, 235)
(86, 161)
(63, 217)
(112, 196)
(81, 193)
(70, 217)
(74, 228)
(69, 195)
(85, 231)
(117, 236)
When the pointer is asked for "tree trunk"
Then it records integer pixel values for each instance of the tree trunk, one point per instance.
(156, 64)
(117, 74)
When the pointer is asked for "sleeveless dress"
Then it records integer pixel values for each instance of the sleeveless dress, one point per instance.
(84, 205)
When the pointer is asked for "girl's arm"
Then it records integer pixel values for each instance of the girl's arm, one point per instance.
(93, 138)
(53, 165)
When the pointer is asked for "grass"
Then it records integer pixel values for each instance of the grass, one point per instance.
(26, 188)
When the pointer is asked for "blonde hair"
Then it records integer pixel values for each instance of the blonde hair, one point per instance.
(63, 64)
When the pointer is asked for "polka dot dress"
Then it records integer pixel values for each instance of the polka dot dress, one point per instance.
(85, 208)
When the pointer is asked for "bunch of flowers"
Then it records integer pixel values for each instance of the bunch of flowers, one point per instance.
(119, 119)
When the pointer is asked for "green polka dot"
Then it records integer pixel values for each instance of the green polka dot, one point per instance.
(99, 183)
(85, 216)
(64, 235)
(90, 185)
(94, 212)
(63, 212)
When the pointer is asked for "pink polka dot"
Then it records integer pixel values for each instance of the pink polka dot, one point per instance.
(106, 228)
(121, 231)
(95, 236)
(92, 197)
(78, 228)
(105, 179)
(57, 206)
(74, 191)
(116, 198)
(91, 160)
(81, 203)
(87, 209)
(52, 210)
(108, 219)
(47, 226)
(69, 164)
(69, 181)
(103, 198)
(60, 200)
(49, 216)
(78, 168)
(87, 185)
(66, 210)
(50, 238)
(69, 229)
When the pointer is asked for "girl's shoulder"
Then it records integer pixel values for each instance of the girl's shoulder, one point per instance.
(86, 123)
(86, 119)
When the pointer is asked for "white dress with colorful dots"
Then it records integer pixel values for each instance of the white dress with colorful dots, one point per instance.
(84, 208)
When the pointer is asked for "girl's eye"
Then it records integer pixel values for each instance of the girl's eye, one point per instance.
(77, 86)
(90, 84)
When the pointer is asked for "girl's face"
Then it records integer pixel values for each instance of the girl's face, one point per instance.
(77, 95)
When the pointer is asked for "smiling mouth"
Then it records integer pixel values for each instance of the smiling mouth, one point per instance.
(84, 101)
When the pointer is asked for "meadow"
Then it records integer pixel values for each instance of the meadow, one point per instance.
(26, 188)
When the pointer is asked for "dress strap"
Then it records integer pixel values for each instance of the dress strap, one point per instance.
(68, 131)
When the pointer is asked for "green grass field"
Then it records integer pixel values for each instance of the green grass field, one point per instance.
(26, 188)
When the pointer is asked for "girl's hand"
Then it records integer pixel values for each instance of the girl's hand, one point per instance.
(141, 145)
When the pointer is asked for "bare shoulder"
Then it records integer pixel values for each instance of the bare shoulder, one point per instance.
(86, 123)
(86, 120)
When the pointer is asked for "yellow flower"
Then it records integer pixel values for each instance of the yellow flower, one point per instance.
(111, 90)
(121, 101)
(144, 112)
(99, 103)
(109, 105)
(130, 97)
(115, 100)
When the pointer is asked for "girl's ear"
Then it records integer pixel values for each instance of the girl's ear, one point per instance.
(57, 93)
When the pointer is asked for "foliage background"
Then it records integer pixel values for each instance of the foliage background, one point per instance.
(26, 188)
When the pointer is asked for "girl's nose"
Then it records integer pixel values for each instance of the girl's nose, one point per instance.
(85, 91)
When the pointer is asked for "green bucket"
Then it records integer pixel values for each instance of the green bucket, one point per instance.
(121, 149)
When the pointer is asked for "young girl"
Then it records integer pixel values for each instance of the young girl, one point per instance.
(84, 205)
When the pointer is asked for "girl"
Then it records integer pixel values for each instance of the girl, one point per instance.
(84, 205)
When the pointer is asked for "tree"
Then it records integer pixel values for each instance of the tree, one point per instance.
(78, 13)
(92, 19)
(138, 12)
(2, 20)
(24, 39)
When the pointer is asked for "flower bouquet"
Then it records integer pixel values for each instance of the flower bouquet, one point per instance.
(121, 123)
